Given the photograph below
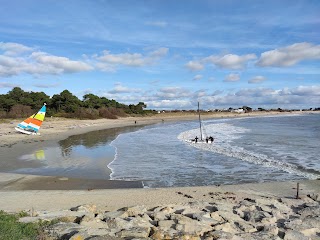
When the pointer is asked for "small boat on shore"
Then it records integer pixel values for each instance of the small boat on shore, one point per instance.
(203, 138)
(32, 124)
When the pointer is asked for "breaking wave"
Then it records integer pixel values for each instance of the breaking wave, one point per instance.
(225, 134)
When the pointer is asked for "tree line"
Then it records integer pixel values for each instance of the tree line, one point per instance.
(18, 103)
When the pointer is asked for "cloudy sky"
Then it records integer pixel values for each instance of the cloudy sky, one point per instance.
(168, 54)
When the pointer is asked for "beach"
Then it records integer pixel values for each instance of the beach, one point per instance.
(32, 193)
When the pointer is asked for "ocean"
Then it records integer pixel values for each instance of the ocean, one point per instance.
(245, 150)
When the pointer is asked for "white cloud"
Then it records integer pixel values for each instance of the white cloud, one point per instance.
(194, 66)
(290, 55)
(122, 89)
(182, 98)
(8, 85)
(157, 24)
(197, 77)
(130, 59)
(170, 104)
(257, 79)
(232, 77)
(172, 92)
(60, 64)
(13, 48)
(305, 91)
(230, 61)
(15, 61)
(46, 85)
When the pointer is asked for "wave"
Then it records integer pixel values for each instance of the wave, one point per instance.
(224, 135)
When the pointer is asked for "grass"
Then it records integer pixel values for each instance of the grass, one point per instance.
(11, 229)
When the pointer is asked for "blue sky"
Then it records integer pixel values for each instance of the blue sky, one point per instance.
(168, 54)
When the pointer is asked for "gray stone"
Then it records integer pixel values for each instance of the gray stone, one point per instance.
(255, 216)
(246, 227)
(166, 224)
(314, 196)
(271, 229)
(85, 208)
(226, 227)
(113, 214)
(65, 230)
(135, 232)
(310, 211)
(135, 211)
(257, 236)
(294, 235)
(105, 237)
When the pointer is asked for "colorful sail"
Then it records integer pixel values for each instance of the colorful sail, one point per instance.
(32, 124)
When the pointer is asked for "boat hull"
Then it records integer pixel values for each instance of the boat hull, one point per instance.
(25, 132)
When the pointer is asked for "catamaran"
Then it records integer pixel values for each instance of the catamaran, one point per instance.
(203, 137)
(32, 124)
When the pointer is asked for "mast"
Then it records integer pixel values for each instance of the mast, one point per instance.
(200, 122)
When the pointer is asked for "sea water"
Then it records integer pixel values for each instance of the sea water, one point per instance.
(251, 149)
(246, 149)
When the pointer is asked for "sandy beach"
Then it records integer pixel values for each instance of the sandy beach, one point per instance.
(43, 193)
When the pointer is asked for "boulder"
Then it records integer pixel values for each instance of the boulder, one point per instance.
(294, 235)
(135, 232)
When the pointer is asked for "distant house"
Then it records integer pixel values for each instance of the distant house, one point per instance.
(239, 110)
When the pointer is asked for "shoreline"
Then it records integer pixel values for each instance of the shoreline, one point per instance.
(88, 208)
(14, 145)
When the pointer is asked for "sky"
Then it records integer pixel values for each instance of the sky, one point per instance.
(167, 54)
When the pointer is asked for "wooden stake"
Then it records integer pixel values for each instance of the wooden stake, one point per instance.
(297, 197)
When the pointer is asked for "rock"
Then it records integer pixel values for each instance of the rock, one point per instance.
(85, 208)
(255, 216)
(258, 236)
(105, 237)
(88, 218)
(270, 220)
(118, 223)
(160, 234)
(310, 211)
(65, 230)
(217, 217)
(226, 227)
(135, 232)
(271, 229)
(65, 216)
(135, 211)
(311, 232)
(166, 224)
(246, 227)
(294, 235)
(312, 222)
(217, 235)
(80, 236)
(111, 215)
(314, 196)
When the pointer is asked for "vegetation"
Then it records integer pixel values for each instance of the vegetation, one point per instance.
(11, 229)
(17, 104)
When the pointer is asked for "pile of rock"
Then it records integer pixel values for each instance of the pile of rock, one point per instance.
(226, 217)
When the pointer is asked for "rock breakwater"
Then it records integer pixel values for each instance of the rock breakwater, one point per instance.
(227, 216)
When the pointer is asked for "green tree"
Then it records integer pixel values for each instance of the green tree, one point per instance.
(17, 94)
(65, 101)
(92, 101)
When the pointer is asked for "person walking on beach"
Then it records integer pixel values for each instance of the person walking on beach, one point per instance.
(207, 139)
(196, 139)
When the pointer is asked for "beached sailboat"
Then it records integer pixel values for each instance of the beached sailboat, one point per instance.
(203, 137)
(32, 124)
